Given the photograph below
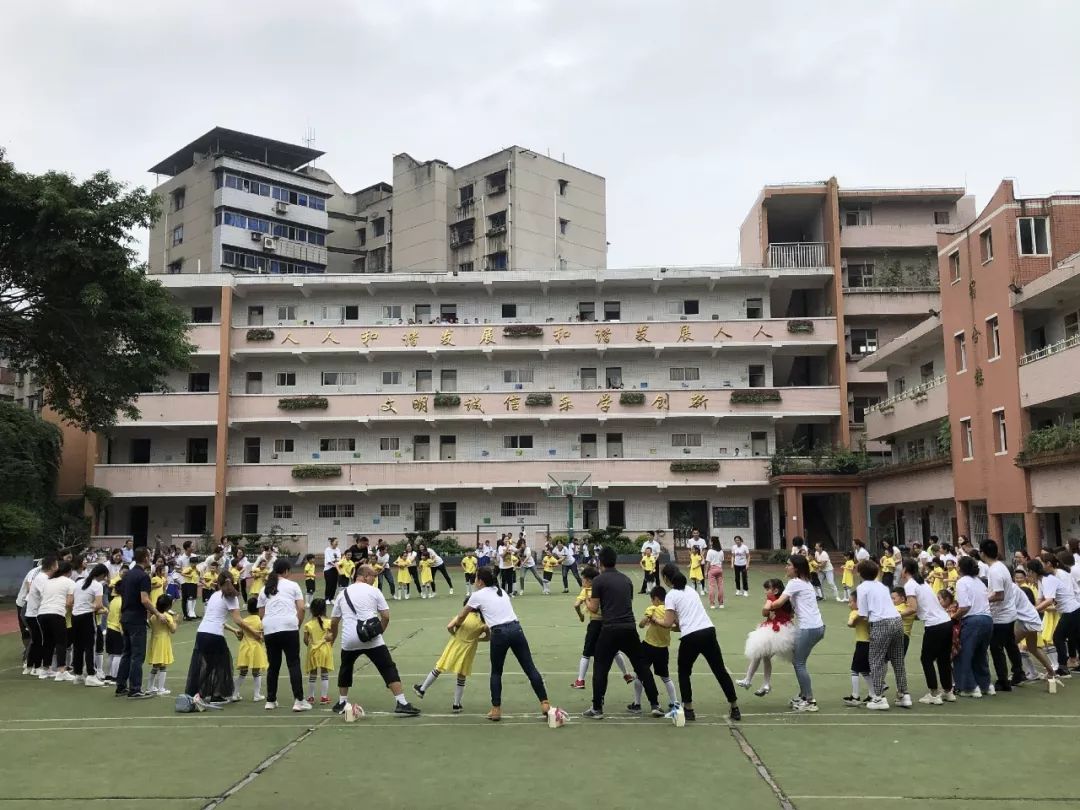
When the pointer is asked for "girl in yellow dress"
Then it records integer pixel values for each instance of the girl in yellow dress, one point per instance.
(309, 577)
(345, 568)
(404, 578)
(847, 578)
(259, 572)
(936, 577)
(952, 575)
(114, 636)
(158, 580)
(209, 581)
(160, 654)
(252, 654)
(457, 657)
(697, 578)
(425, 579)
(888, 566)
(319, 659)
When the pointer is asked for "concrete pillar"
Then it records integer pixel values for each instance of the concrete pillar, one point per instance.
(962, 522)
(859, 517)
(222, 435)
(793, 513)
(1032, 533)
(996, 530)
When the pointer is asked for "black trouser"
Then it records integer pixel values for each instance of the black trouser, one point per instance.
(704, 643)
(887, 579)
(82, 658)
(507, 638)
(414, 572)
(1005, 652)
(188, 591)
(506, 580)
(379, 656)
(36, 651)
(937, 650)
(647, 578)
(441, 568)
(742, 581)
(53, 639)
(615, 639)
(243, 591)
(388, 575)
(331, 577)
(129, 675)
(573, 570)
(1065, 635)
(287, 642)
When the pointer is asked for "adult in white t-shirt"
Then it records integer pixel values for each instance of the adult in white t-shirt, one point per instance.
(35, 579)
(811, 628)
(494, 606)
(282, 608)
(362, 602)
(740, 564)
(976, 628)
(861, 552)
(88, 604)
(565, 555)
(937, 634)
(825, 566)
(874, 603)
(56, 594)
(20, 610)
(697, 542)
(527, 563)
(210, 673)
(714, 574)
(653, 544)
(331, 556)
(438, 564)
(683, 607)
(1004, 651)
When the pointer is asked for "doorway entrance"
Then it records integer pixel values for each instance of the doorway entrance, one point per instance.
(686, 515)
(138, 524)
(763, 523)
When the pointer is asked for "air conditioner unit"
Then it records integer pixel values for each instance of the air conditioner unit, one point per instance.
(269, 243)
(280, 207)
(256, 236)
(273, 455)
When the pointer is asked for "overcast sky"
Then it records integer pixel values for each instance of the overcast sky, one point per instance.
(687, 108)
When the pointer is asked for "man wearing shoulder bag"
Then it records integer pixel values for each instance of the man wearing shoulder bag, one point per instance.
(361, 615)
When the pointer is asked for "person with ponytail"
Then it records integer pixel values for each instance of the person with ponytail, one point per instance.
(57, 597)
(1057, 601)
(282, 608)
(89, 603)
(937, 635)
(811, 627)
(493, 605)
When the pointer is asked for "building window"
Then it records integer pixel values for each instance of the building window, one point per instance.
(860, 275)
(389, 510)
(859, 406)
(754, 308)
(586, 311)
(283, 445)
(448, 379)
(511, 509)
(448, 516)
(465, 194)
(283, 512)
(954, 265)
(562, 187)
(178, 197)
(448, 313)
(986, 246)
(899, 386)
(863, 341)
(286, 379)
(392, 312)
(968, 439)
(391, 378)
(960, 349)
(378, 226)
(199, 382)
(202, 314)
(859, 215)
(756, 376)
(1001, 440)
(338, 378)
(941, 217)
(518, 442)
(389, 443)
(499, 260)
(344, 445)
(564, 225)
(688, 307)
(178, 235)
(496, 182)
(466, 267)
(1072, 325)
(175, 268)
(423, 379)
(249, 518)
(336, 510)
(612, 310)
(687, 374)
(518, 375)
(286, 313)
(361, 235)
(198, 451)
(926, 371)
(1034, 236)
(993, 335)
(686, 440)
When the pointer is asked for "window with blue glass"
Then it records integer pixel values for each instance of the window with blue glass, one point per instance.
(253, 186)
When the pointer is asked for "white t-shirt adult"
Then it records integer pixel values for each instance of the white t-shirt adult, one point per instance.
(505, 557)
(528, 559)
(33, 599)
(971, 593)
(330, 557)
(927, 608)
(493, 608)
(382, 559)
(984, 569)
(279, 610)
(24, 589)
(433, 555)
(85, 598)
(54, 594)
(216, 613)
(874, 602)
(804, 603)
(1000, 580)
(686, 604)
(567, 555)
(1025, 611)
(697, 542)
(861, 554)
(715, 557)
(823, 560)
(924, 558)
(651, 544)
(1067, 600)
(740, 554)
(367, 602)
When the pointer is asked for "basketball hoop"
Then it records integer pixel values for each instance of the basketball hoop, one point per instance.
(569, 485)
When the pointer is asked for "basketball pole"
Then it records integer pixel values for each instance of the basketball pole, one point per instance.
(570, 516)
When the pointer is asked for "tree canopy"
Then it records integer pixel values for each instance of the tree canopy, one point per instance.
(77, 312)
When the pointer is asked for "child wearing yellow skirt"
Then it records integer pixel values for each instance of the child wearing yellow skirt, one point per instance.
(697, 577)
(425, 579)
(158, 580)
(160, 654)
(952, 575)
(259, 572)
(252, 654)
(404, 578)
(847, 578)
(457, 656)
(345, 567)
(319, 659)
(936, 577)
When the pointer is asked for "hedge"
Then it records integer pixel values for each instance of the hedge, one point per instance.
(538, 399)
(445, 546)
(446, 400)
(755, 396)
(316, 471)
(260, 334)
(695, 466)
(303, 403)
(518, 330)
(800, 327)
(631, 398)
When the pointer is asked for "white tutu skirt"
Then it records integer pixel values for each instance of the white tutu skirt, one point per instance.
(765, 642)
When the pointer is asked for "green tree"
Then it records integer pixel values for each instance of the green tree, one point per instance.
(76, 311)
(29, 464)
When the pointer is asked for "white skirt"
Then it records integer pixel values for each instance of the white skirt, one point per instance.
(765, 642)
(1031, 627)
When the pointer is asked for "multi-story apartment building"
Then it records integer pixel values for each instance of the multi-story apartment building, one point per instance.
(997, 368)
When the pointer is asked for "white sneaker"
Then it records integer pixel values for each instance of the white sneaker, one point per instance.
(26, 670)
(745, 684)
(973, 693)
(78, 680)
(64, 676)
(930, 699)
(904, 701)
(235, 698)
(92, 680)
(164, 692)
(301, 706)
(991, 691)
(949, 697)
(721, 607)
(879, 704)
(34, 672)
(270, 705)
(451, 591)
(712, 607)
(44, 674)
(257, 697)
(153, 690)
(806, 706)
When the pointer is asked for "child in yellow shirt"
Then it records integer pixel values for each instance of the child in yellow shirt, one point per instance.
(656, 648)
(648, 569)
(952, 575)
(319, 659)
(548, 562)
(936, 577)
(907, 614)
(888, 565)
(457, 657)
(259, 572)
(309, 577)
(697, 577)
(469, 564)
(425, 579)
(404, 578)
(345, 568)
(160, 653)
(114, 635)
(209, 581)
(860, 659)
(252, 653)
(592, 631)
(847, 578)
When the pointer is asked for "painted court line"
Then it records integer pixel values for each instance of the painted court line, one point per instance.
(995, 798)
(759, 765)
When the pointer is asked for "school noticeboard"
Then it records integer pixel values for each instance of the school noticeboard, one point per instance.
(731, 517)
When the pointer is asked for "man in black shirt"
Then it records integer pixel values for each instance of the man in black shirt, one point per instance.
(613, 597)
(135, 593)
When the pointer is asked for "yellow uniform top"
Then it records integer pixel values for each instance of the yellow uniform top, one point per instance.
(469, 564)
(814, 566)
(157, 588)
(112, 622)
(209, 580)
(908, 620)
(377, 568)
(234, 575)
(861, 626)
(655, 635)
(586, 593)
(936, 578)
(345, 568)
(309, 570)
(695, 566)
(953, 575)
(190, 574)
(549, 563)
(315, 633)
(888, 564)
(848, 577)
(648, 563)
(425, 572)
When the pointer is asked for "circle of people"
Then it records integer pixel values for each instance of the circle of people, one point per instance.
(75, 610)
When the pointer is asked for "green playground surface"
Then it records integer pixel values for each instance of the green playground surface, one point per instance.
(64, 744)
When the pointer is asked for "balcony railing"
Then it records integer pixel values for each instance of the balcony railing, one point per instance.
(1053, 348)
(799, 254)
(910, 393)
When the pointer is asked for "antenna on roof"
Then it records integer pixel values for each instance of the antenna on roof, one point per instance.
(309, 140)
